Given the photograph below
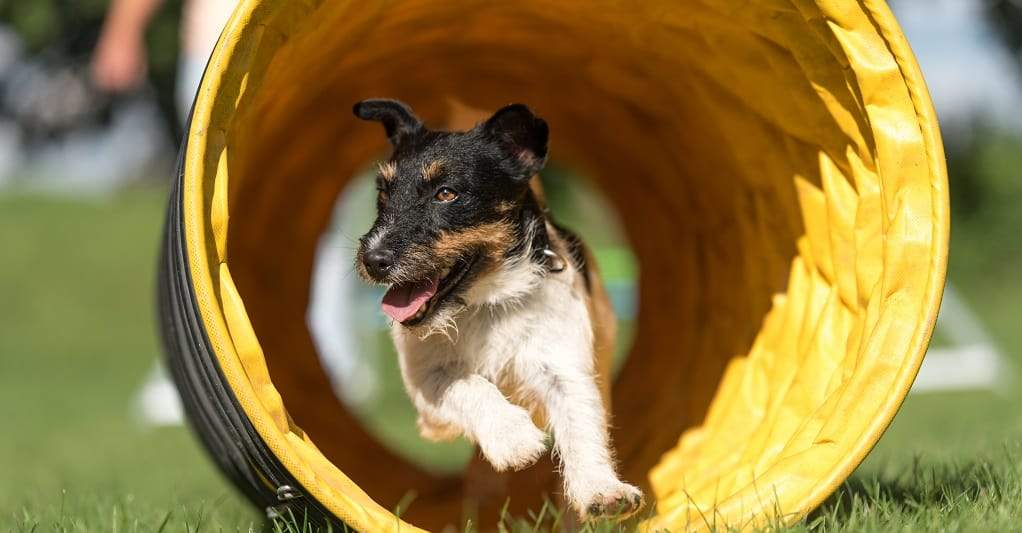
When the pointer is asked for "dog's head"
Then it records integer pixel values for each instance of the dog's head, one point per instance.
(448, 208)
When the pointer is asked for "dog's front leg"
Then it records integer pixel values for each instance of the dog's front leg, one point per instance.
(505, 432)
(578, 421)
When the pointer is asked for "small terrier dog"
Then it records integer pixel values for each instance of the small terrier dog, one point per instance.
(500, 318)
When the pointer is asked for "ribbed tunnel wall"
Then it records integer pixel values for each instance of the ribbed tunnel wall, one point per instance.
(777, 167)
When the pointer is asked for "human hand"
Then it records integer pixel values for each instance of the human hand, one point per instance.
(119, 61)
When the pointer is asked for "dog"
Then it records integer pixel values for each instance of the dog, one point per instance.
(500, 318)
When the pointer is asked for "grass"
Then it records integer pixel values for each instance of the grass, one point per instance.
(954, 495)
(77, 338)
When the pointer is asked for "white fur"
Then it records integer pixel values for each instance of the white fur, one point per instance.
(524, 336)
(507, 286)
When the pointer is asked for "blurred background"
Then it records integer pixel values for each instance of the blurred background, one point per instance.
(93, 96)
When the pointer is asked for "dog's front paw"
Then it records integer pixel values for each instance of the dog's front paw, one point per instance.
(511, 441)
(616, 500)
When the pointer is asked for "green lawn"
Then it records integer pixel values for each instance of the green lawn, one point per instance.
(77, 338)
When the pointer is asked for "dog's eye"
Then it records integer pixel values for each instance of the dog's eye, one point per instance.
(445, 194)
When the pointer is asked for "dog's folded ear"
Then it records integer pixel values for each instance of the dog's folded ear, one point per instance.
(522, 134)
(398, 119)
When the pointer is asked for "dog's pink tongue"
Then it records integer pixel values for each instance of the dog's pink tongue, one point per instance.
(402, 301)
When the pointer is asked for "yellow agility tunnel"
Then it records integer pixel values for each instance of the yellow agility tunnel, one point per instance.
(778, 170)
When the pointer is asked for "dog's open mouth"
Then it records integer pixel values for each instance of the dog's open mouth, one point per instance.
(410, 303)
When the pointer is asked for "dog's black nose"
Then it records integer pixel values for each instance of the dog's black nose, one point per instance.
(379, 262)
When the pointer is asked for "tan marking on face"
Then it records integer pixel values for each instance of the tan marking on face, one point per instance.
(494, 238)
(432, 169)
(388, 170)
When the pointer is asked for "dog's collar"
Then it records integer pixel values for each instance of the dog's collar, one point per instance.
(533, 212)
(554, 261)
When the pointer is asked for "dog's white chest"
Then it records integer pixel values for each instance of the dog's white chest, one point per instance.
(492, 340)
(500, 343)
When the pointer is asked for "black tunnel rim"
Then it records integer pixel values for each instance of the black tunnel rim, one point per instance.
(211, 408)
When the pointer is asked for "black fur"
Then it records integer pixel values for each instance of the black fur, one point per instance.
(398, 119)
